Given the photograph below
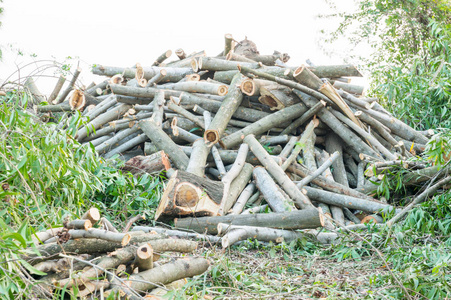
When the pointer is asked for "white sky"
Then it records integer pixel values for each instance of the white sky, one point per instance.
(122, 33)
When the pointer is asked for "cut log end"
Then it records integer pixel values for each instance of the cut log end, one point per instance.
(222, 90)
(92, 215)
(211, 136)
(126, 239)
(248, 87)
(77, 100)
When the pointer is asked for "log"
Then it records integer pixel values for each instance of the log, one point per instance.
(215, 64)
(79, 224)
(120, 136)
(161, 275)
(144, 257)
(32, 88)
(57, 88)
(156, 78)
(350, 88)
(256, 210)
(333, 71)
(242, 199)
(319, 170)
(187, 194)
(277, 172)
(190, 116)
(237, 186)
(173, 74)
(92, 215)
(154, 163)
(106, 225)
(228, 107)
(234, 233)
(158, 108)
(162, 58)
(198, 158)
(304, 118)
(277, 96)
(177, 233)
(288, 147)
(123, 238)
(42, 236)
(264, 124)
(346, 201)
(180, 53)
(124, 146)
(101, 120)
(275, 198)
(228, 46)
(163, 142)
(298, 219)
(231, 175)
(199, 87)
(69, 87)
(348, 136)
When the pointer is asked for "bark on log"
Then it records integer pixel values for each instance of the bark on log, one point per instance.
(123, 238)
(199, 87)
(162, 58)
(124, 146)
(271, 192)
(102, 119)
(298, 219)
(177, 233)
(163, 142)
(334, 144)
(214, 64)
(173, 74)
(346, 201)
(154, 163)
(319, 170)
(187, 194)
(277, 172)
(277, 96)
(180, 110)
(348, 136)
(144, 257)
(57, 88)
(236, 187)
(288, 147)
(235, 233)
(32, 88)
(228, 107)
(264, 124)
(161, 275)
(243, 198)
(350, 88)
(69, 87)
(304, 118)
(79, 224)
(158, 108)
(198, 158)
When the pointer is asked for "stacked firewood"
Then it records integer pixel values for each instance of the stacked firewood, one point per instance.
(243, 133)
(100, 261)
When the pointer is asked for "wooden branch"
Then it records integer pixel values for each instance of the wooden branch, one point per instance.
(57, 88)
(161, 275)
(228, 107)
(234, 233)
(180, 53)
(350, 88)
(264, 124)
(236, 187)
(69, 87)
(163, 142)
(304, 118)
(92, 215)
(348, 136)
(123, 238)
(276, 199)
(319, 171)
(232, 174)
(298, 219)
(288, 147)
(32, 88)
(79, 224)
(190, 116)
(159, 76)
(301, 144)
(278, 173)
(112, 142)
(429, 191)
(199, 87)
(255, 210)
(173, 74)
(154, 163)
(43, 236)
(102, 119)
(215, 64)
(144, 257)
(346, 201)
(162, 58)
(187, 194)
(228, 47)
(158, 108)
(106, 225)
(137, 140)
(198, 158)
(177, 233)
(243, 198)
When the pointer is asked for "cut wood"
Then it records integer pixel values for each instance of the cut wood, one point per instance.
(92, 215)
(243, 198)
(278, 173)
(234, 233)
(79, 224)
(298, 219)
(177, 233)
(162, 58)
(187, 194)
(236, 187)
(57, 88)
(144, 257)
(153, 163)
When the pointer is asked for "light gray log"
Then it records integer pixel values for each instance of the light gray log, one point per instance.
(271, 192)
(243, 198)
(277, 172)
(57, 88)
(141, 138)
(172, 75)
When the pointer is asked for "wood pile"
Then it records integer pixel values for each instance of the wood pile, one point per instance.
(243, 133)
(101, 261)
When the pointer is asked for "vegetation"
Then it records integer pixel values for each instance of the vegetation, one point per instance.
(410, 62)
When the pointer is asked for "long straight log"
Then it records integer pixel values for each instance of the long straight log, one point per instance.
(57, 88)
(298, 219)
(228, 107)
(264, 124)
(304, 118)
(214, 64)
(105, 146)
(172, 75)
(271, 192)
(178, 233)
(236, 187)
(346, 201)
(163, 142)
(235, 233)
(278, 173)
(102, 119)
(198, 158)
(190, 116)
(199, 87)
(154, 163)
(243, 198)
(348, 136)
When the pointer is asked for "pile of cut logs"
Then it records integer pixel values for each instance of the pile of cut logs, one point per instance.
(107, 261)
(243, 133)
